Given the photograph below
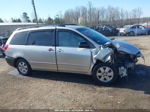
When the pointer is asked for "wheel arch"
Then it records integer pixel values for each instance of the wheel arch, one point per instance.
(101, 64)
(97, 62)
(15, 62)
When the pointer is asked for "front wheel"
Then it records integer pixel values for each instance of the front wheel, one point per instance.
(105, 74)
(23, 67)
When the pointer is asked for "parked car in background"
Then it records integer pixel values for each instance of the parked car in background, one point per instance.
(73, 49)
(107, 30)
(3, 41)
(122, 30)
(1, 51)
(148, 29)
(136, 30)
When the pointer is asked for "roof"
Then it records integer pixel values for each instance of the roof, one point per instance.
(74, 26)
(49, 27)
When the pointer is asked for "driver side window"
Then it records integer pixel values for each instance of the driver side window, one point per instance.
(133, 27)
(141, 27)
(68, 38)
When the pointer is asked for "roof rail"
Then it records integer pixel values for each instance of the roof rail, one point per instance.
(61, 25)
(35, 26)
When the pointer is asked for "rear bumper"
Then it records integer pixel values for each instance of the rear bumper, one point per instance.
(10, 61)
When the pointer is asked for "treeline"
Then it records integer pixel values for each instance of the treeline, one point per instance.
(26, 19)
(91, 16)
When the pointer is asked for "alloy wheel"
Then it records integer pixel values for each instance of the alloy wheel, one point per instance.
(23, 67)
(105, 74)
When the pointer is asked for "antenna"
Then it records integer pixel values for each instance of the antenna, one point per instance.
(33, 4)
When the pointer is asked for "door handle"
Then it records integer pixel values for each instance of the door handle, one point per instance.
(60, 50)
(51, 50)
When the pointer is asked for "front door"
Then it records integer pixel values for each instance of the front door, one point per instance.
(142, 30)
(71, 58)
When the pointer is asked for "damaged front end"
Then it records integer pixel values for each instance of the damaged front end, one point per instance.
(121, 54)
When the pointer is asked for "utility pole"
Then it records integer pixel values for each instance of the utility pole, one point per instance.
(33, 4)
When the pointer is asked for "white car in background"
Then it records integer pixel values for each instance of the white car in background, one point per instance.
(122, 30)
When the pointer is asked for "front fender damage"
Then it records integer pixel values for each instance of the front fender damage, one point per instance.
(106, 55)
(102, 54)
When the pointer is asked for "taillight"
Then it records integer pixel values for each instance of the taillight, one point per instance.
(5, 47)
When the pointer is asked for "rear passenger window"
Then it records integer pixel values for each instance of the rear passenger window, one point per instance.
(19, 38)
(42, 38)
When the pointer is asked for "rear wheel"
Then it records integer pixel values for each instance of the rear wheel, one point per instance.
(105, 74)
(23, 67)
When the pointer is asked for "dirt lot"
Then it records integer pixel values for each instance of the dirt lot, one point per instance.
(47, 90)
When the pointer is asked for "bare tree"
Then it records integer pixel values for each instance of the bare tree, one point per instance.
(83, 16)
(90, 6)
(91, 16)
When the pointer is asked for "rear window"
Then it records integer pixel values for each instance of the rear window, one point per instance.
(19, 38)
(42, 38)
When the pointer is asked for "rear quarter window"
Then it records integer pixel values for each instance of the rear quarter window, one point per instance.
(42, 38)
(19, 38)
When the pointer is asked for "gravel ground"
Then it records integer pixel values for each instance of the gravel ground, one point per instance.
(49, 90)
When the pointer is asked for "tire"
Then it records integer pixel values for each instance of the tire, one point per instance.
(23, 67)
(103, 78)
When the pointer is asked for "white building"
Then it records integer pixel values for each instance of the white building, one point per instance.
(7, 28)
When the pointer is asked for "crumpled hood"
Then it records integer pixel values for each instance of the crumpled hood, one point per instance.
(125, 47)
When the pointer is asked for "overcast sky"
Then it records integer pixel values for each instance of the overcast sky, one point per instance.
(45, 8)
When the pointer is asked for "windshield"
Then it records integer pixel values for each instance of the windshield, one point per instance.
(127, 26)
(94, 35)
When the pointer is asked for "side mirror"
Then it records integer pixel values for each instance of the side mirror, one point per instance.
(108, 44)
(84, 45)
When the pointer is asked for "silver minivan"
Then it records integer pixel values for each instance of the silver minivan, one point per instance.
(72, 49)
